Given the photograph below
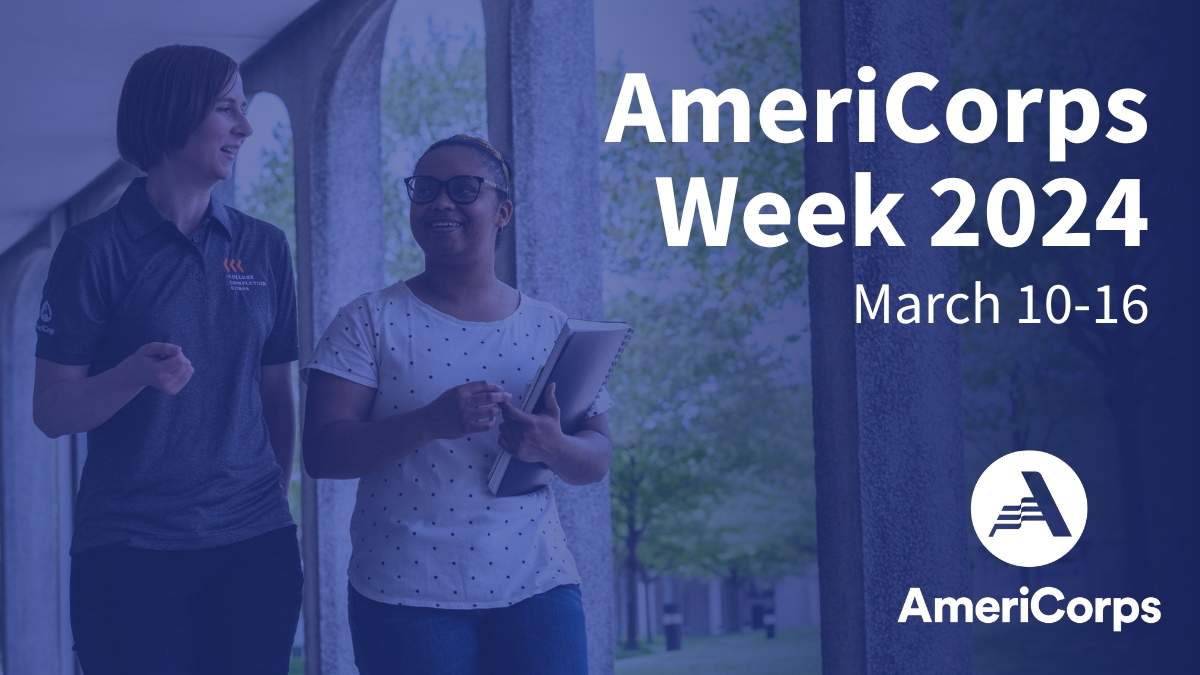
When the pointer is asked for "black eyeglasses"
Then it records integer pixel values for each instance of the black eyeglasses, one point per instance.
(460, 189)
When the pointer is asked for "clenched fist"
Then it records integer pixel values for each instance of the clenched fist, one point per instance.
(160, 365)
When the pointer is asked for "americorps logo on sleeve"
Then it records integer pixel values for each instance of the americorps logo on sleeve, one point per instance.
(44, 318)
(1029, 508)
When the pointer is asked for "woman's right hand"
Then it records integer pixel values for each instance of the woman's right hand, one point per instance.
(469, 408)
(160, 365)
(66, 400)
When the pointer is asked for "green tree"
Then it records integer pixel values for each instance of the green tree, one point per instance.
(756, 50)
(271, 195)
(712, 466)
(711, 461)
(425, 98)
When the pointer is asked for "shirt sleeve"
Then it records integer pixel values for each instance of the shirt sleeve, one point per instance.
(283, 344)
(347, 348)
(75, 304)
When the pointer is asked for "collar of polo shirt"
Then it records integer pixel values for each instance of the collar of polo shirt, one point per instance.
(142, 218)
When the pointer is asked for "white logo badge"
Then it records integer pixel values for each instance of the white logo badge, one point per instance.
(1029, 508)
(45, 316)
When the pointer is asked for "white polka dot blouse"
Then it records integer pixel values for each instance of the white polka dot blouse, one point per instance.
(427, 532)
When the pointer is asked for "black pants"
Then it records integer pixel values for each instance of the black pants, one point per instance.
(231, 609)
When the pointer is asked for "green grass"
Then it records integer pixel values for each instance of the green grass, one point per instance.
(794, 651)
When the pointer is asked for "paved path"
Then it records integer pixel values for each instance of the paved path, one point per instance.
(793, 652)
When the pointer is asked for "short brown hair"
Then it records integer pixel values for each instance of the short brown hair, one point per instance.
(167, 94)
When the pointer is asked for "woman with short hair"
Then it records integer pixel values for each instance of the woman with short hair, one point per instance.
(405, 391)
(167, 332)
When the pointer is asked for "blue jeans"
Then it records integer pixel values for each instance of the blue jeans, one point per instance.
(542, 635)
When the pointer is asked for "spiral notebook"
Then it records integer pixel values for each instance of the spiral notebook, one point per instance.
(582, 359)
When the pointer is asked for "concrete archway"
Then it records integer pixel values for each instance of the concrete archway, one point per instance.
(325, 68)
(38, 491)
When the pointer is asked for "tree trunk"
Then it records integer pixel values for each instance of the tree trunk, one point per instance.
(649, 612)
(631, 575)
(733, 614)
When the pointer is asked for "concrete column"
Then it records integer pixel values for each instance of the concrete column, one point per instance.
(345, 242)
(346, 257)
(891, 499)
(550, 112)
(326, 68)
(497, 20)
(36, 522)
(38, 476)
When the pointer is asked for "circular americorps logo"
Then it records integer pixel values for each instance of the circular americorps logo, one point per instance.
(46, 314)
(1029, 508)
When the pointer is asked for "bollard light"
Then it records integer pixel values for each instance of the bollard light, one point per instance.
(672, 620)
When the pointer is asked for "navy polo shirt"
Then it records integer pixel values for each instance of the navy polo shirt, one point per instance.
(194, 470)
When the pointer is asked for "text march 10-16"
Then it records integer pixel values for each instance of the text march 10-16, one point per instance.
(912, 308)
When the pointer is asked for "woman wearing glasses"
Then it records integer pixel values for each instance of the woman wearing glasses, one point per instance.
(406, 390)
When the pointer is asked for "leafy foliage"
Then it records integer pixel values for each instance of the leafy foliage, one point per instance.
(713, 449)
(756, 51)
(271, 195)
(423, 99)
(708, 431)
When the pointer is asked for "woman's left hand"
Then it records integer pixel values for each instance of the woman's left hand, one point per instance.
(533, 438)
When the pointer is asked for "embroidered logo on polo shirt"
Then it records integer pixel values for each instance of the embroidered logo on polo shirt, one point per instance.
(44, 318)
(239, 279)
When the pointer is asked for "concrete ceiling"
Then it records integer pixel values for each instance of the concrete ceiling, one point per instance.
(62, 64)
